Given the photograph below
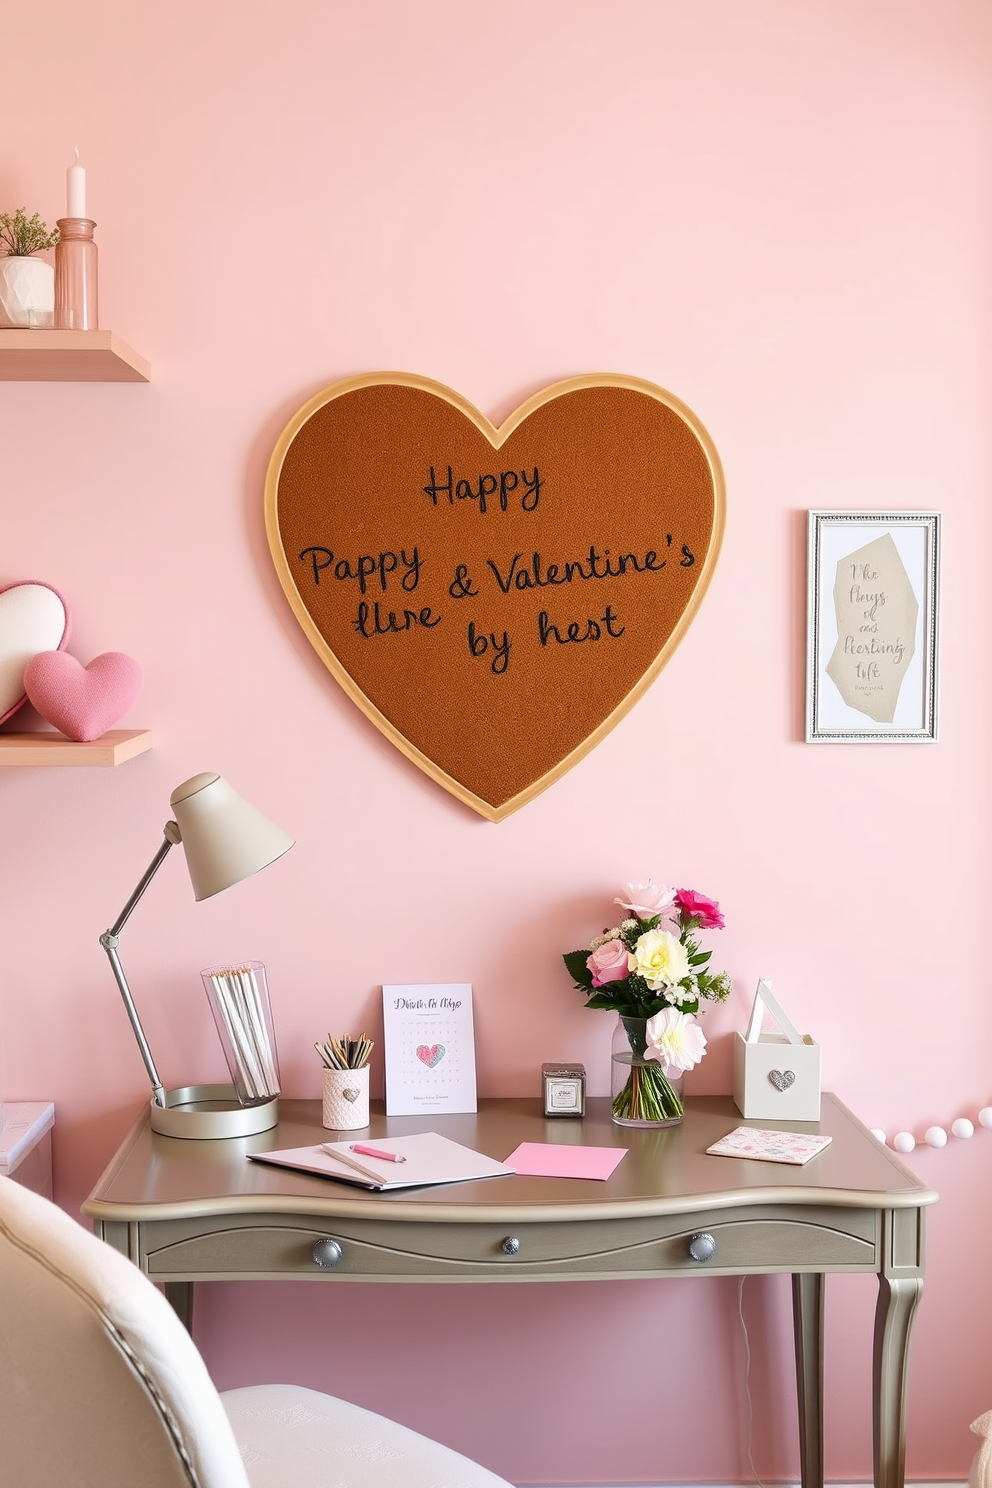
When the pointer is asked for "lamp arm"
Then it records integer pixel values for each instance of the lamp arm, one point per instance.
(110, 939)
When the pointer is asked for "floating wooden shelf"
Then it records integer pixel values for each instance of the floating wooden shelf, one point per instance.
(69, 356)
(38, 749)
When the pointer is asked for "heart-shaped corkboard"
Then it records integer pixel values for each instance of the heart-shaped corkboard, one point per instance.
(494, 600)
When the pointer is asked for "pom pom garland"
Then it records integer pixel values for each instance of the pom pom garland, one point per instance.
(936, 1136)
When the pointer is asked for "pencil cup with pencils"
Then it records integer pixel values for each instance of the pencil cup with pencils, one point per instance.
(346, 1082)
(239, 1001)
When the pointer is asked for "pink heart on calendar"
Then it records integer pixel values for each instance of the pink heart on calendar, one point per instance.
(83, 702)
(430, 1054)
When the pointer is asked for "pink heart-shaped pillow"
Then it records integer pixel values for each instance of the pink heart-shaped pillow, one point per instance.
(82, 702)
(33, 617)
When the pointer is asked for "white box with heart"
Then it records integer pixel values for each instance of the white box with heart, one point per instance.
(776, 1074)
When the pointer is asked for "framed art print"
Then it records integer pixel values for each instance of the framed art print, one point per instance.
(872, 627)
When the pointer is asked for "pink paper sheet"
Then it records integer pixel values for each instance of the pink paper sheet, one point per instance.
(556, 1160)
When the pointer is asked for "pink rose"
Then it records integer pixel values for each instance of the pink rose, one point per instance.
(608, 963)
(698, 907)
(644, 901)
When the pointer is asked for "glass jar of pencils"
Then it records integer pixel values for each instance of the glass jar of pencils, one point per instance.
(345, 1105)
(239, 1001)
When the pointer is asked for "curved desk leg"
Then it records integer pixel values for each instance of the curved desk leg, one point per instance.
(807, 1316)
(894, 1313)
(180, 1295)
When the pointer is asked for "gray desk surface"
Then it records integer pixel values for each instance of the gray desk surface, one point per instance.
(665, 1172)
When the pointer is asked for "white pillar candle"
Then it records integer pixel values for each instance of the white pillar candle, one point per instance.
(75, 183)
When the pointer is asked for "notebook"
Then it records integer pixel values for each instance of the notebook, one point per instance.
(769, 1146)
(429, 1158)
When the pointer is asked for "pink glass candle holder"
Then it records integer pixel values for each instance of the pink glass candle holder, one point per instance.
(76, 276)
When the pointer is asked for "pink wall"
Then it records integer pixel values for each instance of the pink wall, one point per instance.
(781, 213)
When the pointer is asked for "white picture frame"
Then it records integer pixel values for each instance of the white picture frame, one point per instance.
(872, 627)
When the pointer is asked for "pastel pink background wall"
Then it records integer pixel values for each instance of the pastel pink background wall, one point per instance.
(780, 212)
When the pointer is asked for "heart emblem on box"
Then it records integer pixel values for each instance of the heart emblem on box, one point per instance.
(430, 1054)
(351, 1094)
(82, 702)
(782, 1079)
(494, 599)
(33, 617)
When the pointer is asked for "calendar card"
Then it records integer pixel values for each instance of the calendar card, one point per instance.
(430, 1047)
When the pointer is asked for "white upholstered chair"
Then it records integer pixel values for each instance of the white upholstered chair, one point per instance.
(102, 1387)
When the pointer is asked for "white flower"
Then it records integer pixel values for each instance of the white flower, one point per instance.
(676, 1040)
(660, 958)
(647, 900)
(604, 939)
(680, 994)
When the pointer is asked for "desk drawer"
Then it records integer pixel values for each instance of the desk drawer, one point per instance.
(757, 1240)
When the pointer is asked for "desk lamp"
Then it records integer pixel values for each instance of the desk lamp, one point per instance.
(225, 840)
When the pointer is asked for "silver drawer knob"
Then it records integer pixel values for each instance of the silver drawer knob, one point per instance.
(702, 1247)
(511, 1245)
(326, 1252)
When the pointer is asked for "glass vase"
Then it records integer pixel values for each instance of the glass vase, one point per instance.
(643, 1095)
(76, 306)
(239, 1001)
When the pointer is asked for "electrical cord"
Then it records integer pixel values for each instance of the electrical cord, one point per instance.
(747, 1383)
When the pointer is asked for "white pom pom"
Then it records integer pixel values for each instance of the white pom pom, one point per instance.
(904, 1141)
(962, 1127)
(878, 1134)
(985, 1115)
(935, 1136)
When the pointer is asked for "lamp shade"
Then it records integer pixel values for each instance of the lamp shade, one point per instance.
(225, 838)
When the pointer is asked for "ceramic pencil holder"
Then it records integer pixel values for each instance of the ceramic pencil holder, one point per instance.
(346, 1099)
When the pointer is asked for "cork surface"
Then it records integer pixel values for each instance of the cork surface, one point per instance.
(494, 599)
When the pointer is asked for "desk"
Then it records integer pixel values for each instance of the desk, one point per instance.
(189, 1211)
(26, 1144)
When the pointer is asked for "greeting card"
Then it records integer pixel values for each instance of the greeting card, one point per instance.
(769, 1146)
(430, 1047)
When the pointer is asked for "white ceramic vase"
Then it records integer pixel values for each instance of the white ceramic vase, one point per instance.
(27, 293)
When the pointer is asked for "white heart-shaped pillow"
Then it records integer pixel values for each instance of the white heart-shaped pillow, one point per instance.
(33, 617)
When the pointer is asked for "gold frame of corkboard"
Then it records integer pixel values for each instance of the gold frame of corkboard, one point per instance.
(496, 436)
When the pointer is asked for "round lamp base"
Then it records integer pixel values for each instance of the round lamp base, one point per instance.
(205, 1112)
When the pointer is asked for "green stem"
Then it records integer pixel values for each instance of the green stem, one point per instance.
(648, 1095)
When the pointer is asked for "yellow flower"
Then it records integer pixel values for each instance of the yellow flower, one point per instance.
(660, 958)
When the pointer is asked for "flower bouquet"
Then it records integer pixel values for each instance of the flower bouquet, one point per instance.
(651, 971)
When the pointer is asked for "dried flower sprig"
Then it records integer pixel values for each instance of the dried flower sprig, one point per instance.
(22, 235)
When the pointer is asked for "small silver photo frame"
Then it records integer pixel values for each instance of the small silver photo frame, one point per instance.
(872, 627)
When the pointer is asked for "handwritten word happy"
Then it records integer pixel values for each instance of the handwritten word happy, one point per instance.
(365, 567)
(505, 483)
